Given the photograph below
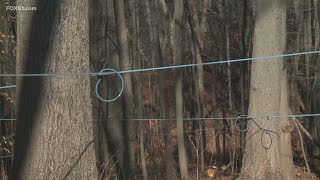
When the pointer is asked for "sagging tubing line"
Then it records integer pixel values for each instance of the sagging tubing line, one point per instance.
(104, 73)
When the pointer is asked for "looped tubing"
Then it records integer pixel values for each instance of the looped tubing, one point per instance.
(99, 81)
(235, 123)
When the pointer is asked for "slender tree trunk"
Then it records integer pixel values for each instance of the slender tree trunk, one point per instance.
(295, 67)
(203, 21)
(113, 126)
(244, 44)
(315, 128)
(176, 53)
(3, 173)
(307, 47)
(268, 155)
(197, 30)
(99, 51)
(125, 64)
(137, 85)
(150, 29)
(54, 138)
(315, 123)
(160, 59)
(215, 111)
(143, 159)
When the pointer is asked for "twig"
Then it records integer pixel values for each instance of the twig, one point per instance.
(303, 129)
(106, 165)
(316, 143)
(197, 150)
(301, 139)
(113, 167)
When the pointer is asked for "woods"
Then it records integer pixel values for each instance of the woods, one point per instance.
(158, 89)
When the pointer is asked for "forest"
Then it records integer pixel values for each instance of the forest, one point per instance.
(159, 89)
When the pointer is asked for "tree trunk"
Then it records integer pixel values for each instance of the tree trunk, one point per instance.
(244, 44)
(123, 49)
(138, 101)
(285, 150)
(160, 59)
(54, 138)
(215, 111)
(197, 30)
(176, 54)
(264, 153)
(98, 51)
(315, 124)
(150, 29)
(3, 173)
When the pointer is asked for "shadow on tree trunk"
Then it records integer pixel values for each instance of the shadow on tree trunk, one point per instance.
(34, 58)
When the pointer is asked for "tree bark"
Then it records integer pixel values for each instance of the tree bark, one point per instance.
(268, 95)
(176, 54)
(314, 130)
(315, 123)
(138, 101)
(54, 138)
(99, 51)
(125, 64)
(243, 70)
(200, 91)
(161, 60)
(150, 29)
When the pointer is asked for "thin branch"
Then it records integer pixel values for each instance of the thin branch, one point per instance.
(302, 144)
(303, 129)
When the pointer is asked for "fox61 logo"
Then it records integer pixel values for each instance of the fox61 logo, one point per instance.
(20, 8)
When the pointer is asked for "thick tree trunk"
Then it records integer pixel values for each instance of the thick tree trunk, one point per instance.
(264, 153)
(54, 138)
(285, 150)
